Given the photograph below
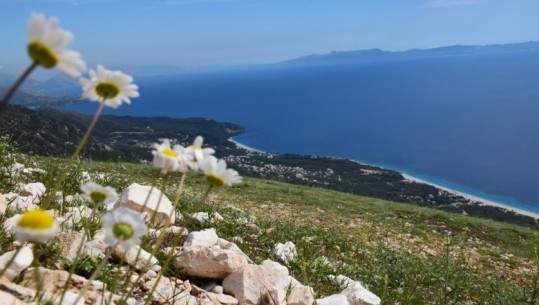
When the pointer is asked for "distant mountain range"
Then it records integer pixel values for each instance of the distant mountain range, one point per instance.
(340, 57)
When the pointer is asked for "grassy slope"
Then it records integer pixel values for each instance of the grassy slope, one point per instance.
(403, 253)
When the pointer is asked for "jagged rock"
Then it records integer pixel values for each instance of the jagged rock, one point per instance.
(270, 281)
(96, 246)
(19, 292)
(158, 206)
(217, 289)
(69, 243)
(226, 299)
(174, 230)
(169, 291)
(22, 260)
(34, 190)
(359, 295)
(336, 299)
(209, 262)
(300, 295)
(53, 281)
(285, 252)
(205, 238)
(208, 238)
(10, 223)
(76, 214)
(203, 217)
(144, 261)
(8, 299)
(3, 204)
(355, 292)
(20, 203)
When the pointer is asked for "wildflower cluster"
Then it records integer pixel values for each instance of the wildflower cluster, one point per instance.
(122, 226)
(195, 158)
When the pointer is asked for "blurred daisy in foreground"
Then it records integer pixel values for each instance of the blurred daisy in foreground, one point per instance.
(196, 151)
(123, 227)
(98, 194)
(111, 87)
(170, 159)
(217, 174)
(47, 46)
(35, 226)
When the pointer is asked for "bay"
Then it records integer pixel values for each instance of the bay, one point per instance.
(465, 121)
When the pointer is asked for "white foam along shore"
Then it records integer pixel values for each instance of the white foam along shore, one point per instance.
(238, 144)
(481, 201)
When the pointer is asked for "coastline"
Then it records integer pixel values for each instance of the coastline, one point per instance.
(481, 201)
(471, 198)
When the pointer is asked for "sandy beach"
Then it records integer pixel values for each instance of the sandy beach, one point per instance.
(482, 201)
(238, 144)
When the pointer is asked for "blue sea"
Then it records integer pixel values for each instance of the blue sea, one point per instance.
(467, 122)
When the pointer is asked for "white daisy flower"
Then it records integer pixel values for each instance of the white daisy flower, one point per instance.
(170, 159)
(112, 87)
(98, 194)
(198, 153)
(217, 174)
(35, 226)
(123, 227)
(47, 46)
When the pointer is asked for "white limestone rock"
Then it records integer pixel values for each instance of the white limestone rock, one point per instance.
(69, 243)
(144, 261)
(203, 217)
(336, 299)
(204, 238)
(359, 295)
(3, 204)
(254, 283)
(209, 262)
(145, 199)
(285, 252)
(22, 260)
(355, 292)
(34, 190)
(18, 203)
(96, 246)
(10, 223)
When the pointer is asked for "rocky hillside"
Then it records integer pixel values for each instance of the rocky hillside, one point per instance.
(262, 242)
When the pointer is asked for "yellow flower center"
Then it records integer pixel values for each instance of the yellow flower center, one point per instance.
(107, 90)
(123, 231)
(42, 54)
(98, 197)
(214, 180)
(36, 220)
(169, 152)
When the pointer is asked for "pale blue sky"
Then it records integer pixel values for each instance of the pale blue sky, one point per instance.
(192, 33)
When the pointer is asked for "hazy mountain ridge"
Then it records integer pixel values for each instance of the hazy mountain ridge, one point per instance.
(336, 57)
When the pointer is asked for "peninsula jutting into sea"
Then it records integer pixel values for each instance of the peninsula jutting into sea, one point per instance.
(47, 131)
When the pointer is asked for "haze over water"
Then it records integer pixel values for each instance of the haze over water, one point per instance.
(464, 121)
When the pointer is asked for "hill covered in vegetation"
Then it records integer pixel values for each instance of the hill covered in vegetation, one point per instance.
(49, 131)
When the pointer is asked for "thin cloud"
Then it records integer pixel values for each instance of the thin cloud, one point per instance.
(448, 3)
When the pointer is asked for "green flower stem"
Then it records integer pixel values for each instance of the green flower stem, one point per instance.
(94, 275)
(176, 240)
(206, 195)
(72, 269)
(13, 89)
(10, 261)
(159, 241)
(180, 187)
(61, 178)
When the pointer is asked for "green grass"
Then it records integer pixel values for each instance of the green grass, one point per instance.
(404, 253)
